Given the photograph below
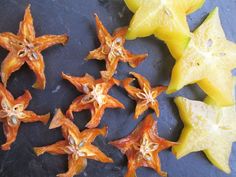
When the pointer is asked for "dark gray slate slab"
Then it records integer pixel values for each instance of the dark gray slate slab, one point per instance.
(75, 17)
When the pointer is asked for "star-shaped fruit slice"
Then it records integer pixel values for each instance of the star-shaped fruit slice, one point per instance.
(207, 61)
(77, 145)
(166, 19)
(210, 101)
(25, 47)
(112, 50)
(95, 97)
(12, 113)
(142, 147)
(145, 96)
(208, 128)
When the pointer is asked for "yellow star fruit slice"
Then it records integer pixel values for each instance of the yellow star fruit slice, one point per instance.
(207, 128)
(211, 154)
(191, 6)
(166, 19)
(208, 61)
(210, 101)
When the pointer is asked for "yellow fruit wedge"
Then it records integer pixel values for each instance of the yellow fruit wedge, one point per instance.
(134, 4)
(189, 6)
(207, 128)
(166, 19)
(210, 153)
(210, 101)
(207, 61)
(192, 5)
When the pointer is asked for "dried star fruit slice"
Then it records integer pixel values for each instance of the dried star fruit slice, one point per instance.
(166, 19)
(95, 97)
(26, 48)
(207, 61)
(208, 128)
(12, 113)
(142, 147)
(145, 96)
(112, 50)
(77, 145)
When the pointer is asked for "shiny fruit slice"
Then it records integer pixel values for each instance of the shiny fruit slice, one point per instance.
(165, 19)
(210, 101)
(133, 5)
(192, 5)
(208, 61)
(189, 6)
(207, 128)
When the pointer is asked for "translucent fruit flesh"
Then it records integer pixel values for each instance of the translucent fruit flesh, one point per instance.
(207, 128)
(207, 61)
(165, 19)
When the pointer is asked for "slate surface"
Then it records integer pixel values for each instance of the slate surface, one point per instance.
(75, 17)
